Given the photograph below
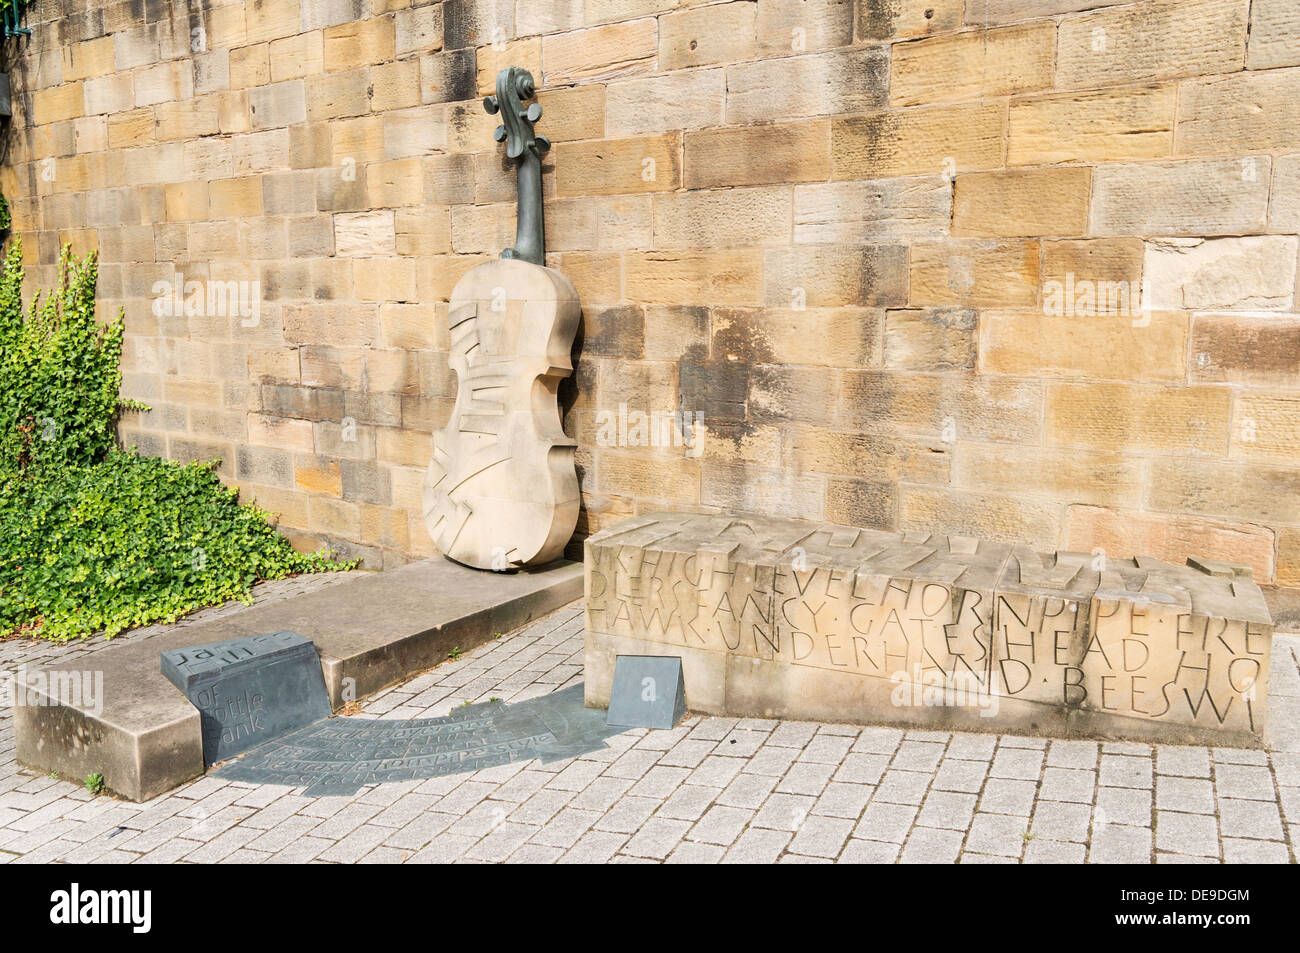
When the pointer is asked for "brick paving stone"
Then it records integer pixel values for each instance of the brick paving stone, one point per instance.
(862, 768)
(1260, 820)
(972, 747)
(997, 834)
(693, 852)
(564, 829)
(843, 800)
(886, 822)
(1187, 833)
(1193, 795)
(947, 809)
(1163, 858)
(443, 849)
(1120, 844)
(1236, 851)
(1126, 747)
(1186, 761)
(930, 845)
(1007, 796)
(535, 854)
(771, 760)
(902, 787)
(965, 776)
(1043, 851)
(1062, 821)
(1068, 784)
(689, 802)
(576, 776)
(601, 794)
(877, 741)
(917, 756)
(660, 782)
(1122, 771)
(594, 847)
(688, 753)
(806, 778)
(1239, 756)
(627, 815)
(858, 851)
(715, 771)
(1021, 764)
(721, 825)
(757, 846)
(1072, 754)
(741, 743)
(1251, 782)
(656, 838)
(503, 841)
(970, 858)
(827, 749)
(821, 836)
(792, 734)
(784, 812)
(1123, 806)
(748, 790)
(634, 764)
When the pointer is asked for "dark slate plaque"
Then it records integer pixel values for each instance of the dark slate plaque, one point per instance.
(342, 755)
(251, 690)
(647, 692)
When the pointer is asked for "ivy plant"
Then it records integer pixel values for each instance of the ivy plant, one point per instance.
(94, 538)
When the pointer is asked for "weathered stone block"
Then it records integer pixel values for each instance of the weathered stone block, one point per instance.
(972, 65)
(1196, 197)
(603, 52)
(1022, 203)
(1223, 274)
(820, 84)
(1137, 43)
(1274, 34)
(702, 36)
(786, 619)
(1132, 122)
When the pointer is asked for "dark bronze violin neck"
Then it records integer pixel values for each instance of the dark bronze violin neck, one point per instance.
(514, 85)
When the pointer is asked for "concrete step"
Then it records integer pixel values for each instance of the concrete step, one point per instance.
(143, 735)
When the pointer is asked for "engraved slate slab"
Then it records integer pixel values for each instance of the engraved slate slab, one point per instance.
(339, 756)
(249, 691)
(647, 692)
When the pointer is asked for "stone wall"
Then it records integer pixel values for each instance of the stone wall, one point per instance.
(1011, 268)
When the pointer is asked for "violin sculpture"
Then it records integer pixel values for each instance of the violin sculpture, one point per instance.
(501, 492)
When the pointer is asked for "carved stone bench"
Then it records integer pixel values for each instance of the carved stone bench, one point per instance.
(785, 619)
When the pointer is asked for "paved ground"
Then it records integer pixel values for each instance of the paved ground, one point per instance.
(714, 789)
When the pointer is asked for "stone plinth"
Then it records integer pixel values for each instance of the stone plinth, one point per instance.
(785, 619)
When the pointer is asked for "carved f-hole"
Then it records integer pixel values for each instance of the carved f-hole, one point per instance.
(514, 85)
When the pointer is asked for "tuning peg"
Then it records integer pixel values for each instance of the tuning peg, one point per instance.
(499, 134)
(542, 144)
(534, 113)
(491, 105)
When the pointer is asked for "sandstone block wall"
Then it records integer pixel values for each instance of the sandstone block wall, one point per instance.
(1023, 269)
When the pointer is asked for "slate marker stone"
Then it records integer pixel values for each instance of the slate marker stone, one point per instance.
(647, 692)
(249, 690)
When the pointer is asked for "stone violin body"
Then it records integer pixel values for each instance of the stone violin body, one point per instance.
(502, 490)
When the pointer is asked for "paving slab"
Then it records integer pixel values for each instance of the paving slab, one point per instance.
(114, 713)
